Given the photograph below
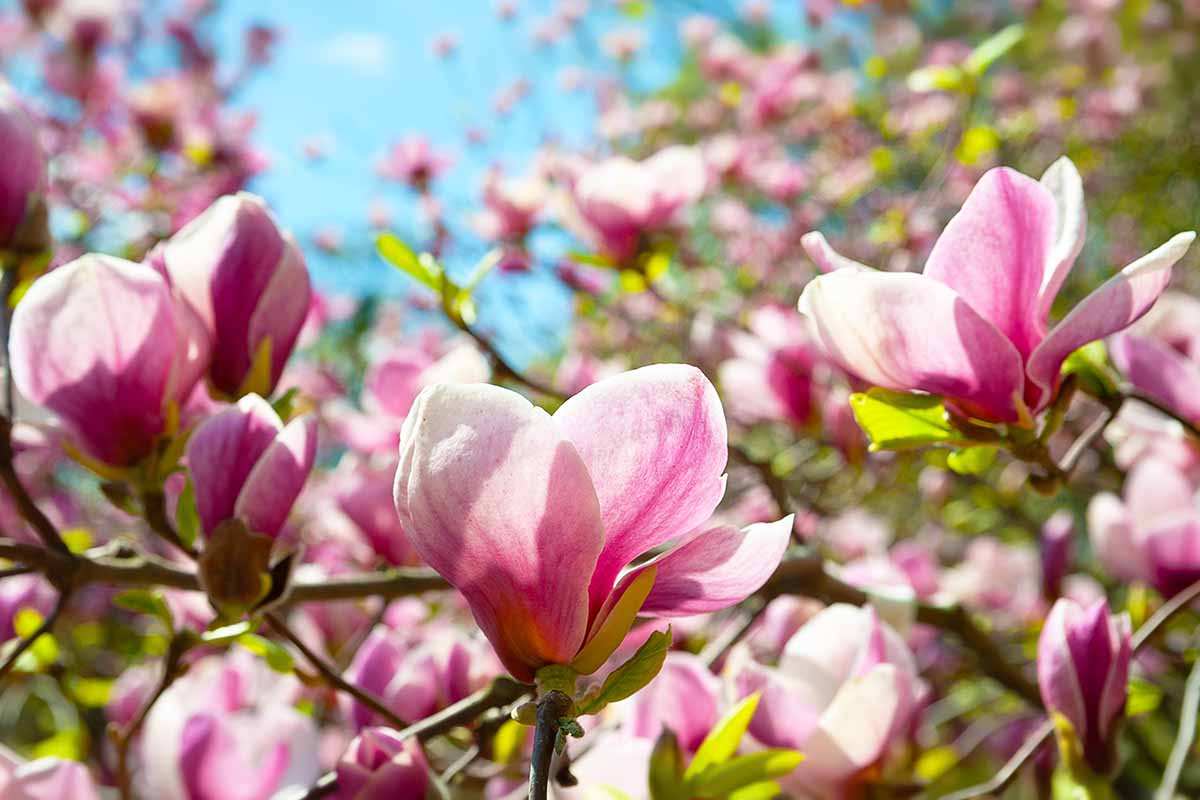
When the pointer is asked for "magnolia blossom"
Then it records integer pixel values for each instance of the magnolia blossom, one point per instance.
(620, 200)
(227, 730)
(248, 282)
(379, 764)
(1160, 354)
(246, 464)
(511, 207)
(771, 376)
(22, 179)
(974, 326)
(1083, 673)
(846, 689)
(534, 517)
(45, 779)
(413, 162)
(104, 344)
(1152, 533)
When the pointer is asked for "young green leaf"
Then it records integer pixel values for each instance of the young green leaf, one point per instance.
(971, 460)
(401, 256)
(144, 601)
(187, 519)
(631, 676)
(992, 48)
(666, 767)
(723, 740)
(899, 420)
(277, 658)
(1143, 698)
(719, 780)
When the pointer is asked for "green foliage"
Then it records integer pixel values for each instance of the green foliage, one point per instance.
(187, 519)
(276, 656)
(971, 460)
(631, 676)
(899, 420)
(151, 603)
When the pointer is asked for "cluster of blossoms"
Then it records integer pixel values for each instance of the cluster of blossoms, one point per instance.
(770, 522)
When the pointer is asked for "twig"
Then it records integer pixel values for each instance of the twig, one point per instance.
(500, 692)
(506, 369)
(154, 507)
(773, 483)
(1165, 614)
(124, 737)
(1010, 770)
(719, 647)
(325, 786)
(1080, 446)
(24, 644)
(550, 708)
(461, 763)
(1184, 738)
(332, 676)
(1162, 408)
(28, 509)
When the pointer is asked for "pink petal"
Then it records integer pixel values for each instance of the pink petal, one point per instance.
(209, 756)
(909, 333)
(1159, 371)
(1118, 303)
(51, 779)
(1157, 490)
(275, 482)
(496, 499)
(828, 259)
(1110, 531)
(1070, 229)
(716, 569)
(223, 450)
(282, 309)
(685, 696)
(654, 442)
(1057, 678)
(993, 253)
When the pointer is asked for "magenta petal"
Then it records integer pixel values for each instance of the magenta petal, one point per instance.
(282, 309)
(49, 779)
(1159, 371)
(275, 482)
(223, 450)
(1057, 678)
(909, 333)
(654, 442)
(1066, 187)
(993, 253)
(497, 500)
(209, 755)
(685, 696)
(715, 569)
(1174, 555)
(1118, 303)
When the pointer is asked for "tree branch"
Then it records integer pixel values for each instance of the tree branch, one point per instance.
(550, 709)
(124, 737)
(24, 644)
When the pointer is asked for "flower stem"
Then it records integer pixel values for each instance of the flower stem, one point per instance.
(551, 707)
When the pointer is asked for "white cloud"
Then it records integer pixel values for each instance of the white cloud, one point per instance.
(361, 51)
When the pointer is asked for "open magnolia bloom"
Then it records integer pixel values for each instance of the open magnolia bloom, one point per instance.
(974, 328)
(535, 518)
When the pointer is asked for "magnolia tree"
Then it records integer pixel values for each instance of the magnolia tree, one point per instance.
(867, 466)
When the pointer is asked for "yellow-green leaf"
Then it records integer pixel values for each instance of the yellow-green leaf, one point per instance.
(719, 780)
(401, 256)
(277, 658)
(971, 460)
(899, 420)
(616, 625)
(631, 676)
(992, 48)
(725, 737)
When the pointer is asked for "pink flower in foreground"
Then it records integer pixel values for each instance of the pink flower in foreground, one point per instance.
(974, 327)
(845, 690)
(45, 779)
(378, 764)
(104, 344)
(620, 200)
(534, 518)
(248, 281)
(246, 464)
(1083, 672)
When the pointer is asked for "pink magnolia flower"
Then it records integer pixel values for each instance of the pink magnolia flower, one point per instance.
(104, 344)
(1153, 533)
(413, 162)
(685, 697)
(365, 496)
(974, 327)
(22, 179)
(771, 375)
(1159, 355)
(620, 200)
(227, 730)
(45, 779)
(1083, 673)
(846, 689)
(511, 206)
(248, 282)
(378, 764)
(1056, 547)
(533, 517)
(246, 464)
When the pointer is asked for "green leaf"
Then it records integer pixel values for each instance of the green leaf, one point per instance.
(401, 256)
(152, 603)
(764, 790)
(631, 676)
(226, 633)
(1068, 784)
(899, 420)
(187, 519)
(971, 460)
(273, 653)
(90, 692)
(1143, 698)
(945, 78)
(616, 625)
(1090, 364)
(992, 48)
(725, 737)
(666, 767)
(285, 404)
(721, 779)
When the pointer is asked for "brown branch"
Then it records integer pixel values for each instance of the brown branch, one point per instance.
(550, 708)
(123, 737)
(28, 509)
(331, 674)
(500, 692)
(154, 509)
(506, 369)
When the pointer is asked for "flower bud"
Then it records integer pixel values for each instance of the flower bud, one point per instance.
(22, 181)
(248, 282)
(247, 465)
(104, 344)
(1056, 550)
(1083, 672)
(379, 763)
